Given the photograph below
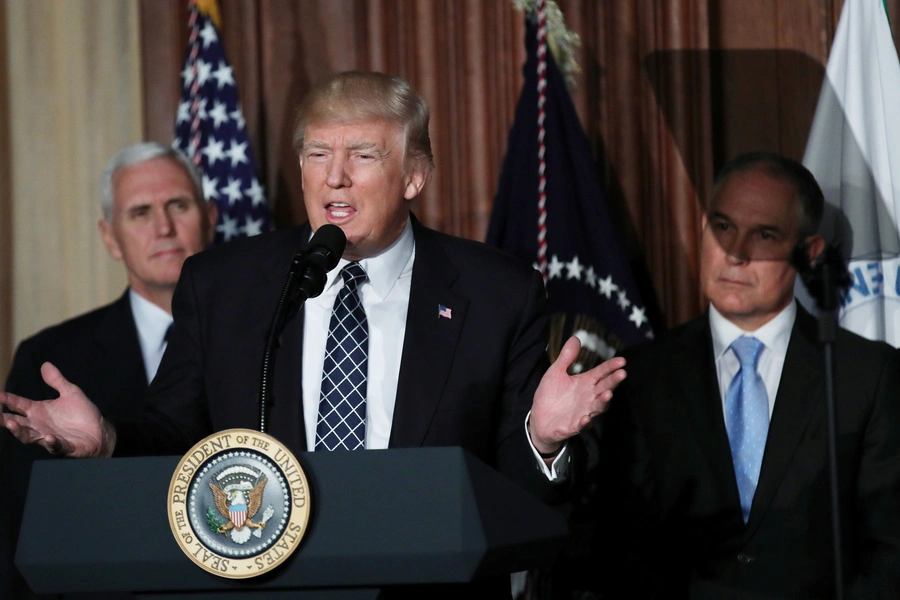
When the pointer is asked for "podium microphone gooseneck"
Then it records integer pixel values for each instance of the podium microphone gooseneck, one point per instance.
(306, 279)
(827, 280)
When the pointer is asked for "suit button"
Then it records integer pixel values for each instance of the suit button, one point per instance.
(745, 559)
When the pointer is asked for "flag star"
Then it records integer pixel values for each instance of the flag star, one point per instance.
(208, 33)
(223, 75)
(201, 109)
(237, 153)
(554, 268)
(606, 286)
(233, 191)
(255, 193)
(188, 74)
(219, 114)
(623, 300)
(184, 112)
(590, 277)
(210, 188)
(228, 228)
(238, 117)
(204, 70)
(213, 151)
(253, 226)
(574, 269)
(638, 316)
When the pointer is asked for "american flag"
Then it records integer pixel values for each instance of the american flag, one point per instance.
(443, 311)
(210, 129)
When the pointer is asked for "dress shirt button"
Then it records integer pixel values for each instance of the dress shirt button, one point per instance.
(745, 559)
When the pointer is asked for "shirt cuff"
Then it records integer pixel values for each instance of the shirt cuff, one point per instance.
(559, 469)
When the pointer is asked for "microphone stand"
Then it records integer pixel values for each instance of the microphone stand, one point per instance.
(826, 281)
(290, 301)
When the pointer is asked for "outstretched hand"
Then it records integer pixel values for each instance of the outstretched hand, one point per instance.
(565, 404)
(70, 425)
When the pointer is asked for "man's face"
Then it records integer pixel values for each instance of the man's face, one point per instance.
(353, 177)
(157, 223)
(747, 239)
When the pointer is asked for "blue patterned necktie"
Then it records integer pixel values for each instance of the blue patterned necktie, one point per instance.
(342, 406)
(747, 419)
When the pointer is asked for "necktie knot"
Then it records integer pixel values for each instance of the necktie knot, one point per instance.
(747, 350)
(353, 275)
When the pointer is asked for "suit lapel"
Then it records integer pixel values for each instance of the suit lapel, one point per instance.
(117, 336)
(697, 384)
(430, 340)
(799, 392)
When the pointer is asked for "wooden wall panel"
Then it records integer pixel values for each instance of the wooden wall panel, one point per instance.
(668, 92)
(5, 208)
(74, 100)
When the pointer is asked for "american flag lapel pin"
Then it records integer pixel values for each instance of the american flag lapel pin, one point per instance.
(444, 311)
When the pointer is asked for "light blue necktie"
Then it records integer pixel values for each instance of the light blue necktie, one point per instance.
(342, 406)
(747, 419)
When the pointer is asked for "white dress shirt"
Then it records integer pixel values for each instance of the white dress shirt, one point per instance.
(385, 298)
(152, 324)
(775, 336)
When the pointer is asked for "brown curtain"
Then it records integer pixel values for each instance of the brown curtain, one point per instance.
(668, 92)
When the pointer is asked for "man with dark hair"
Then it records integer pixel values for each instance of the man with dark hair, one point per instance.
(716, 446)
(452, 334)
(153, 217)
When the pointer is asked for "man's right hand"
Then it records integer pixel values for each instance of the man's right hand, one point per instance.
(70, 425)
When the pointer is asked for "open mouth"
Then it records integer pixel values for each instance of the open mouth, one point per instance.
(339, 210)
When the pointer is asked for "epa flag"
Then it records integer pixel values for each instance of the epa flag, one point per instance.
(590, 288)
(854, 152)
(210, 130)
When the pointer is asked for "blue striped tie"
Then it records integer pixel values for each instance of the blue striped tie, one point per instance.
(747, 419)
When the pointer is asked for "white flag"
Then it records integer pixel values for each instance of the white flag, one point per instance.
(854, 152)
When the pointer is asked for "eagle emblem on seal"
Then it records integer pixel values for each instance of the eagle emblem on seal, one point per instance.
(238, 494)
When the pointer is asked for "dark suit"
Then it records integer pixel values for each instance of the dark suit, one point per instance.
(675, 527)
(99, 352)
(465, 381)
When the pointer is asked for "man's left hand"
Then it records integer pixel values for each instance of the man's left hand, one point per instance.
(565, 404)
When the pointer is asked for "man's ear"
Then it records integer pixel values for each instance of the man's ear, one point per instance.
(815, 245)
(109, 239)
(212, 216)
(415, 182)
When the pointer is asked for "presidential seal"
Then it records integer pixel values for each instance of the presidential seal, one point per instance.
(238, 503)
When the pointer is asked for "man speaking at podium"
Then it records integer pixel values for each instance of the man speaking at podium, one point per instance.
(451, 335)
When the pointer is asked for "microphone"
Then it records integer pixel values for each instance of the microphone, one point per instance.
(826, 278)
(306, 279)
(321, 255)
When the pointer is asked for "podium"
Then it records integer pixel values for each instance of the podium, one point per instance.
(379, 518)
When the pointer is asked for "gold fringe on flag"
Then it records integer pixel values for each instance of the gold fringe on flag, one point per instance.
(561, 40)
(210, 8)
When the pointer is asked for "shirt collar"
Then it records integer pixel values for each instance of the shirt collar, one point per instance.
(383, 269)
(152, 322)
(775, 335)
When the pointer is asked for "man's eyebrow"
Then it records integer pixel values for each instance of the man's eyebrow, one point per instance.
(363, 145)
(314, 145)
(759, 227)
